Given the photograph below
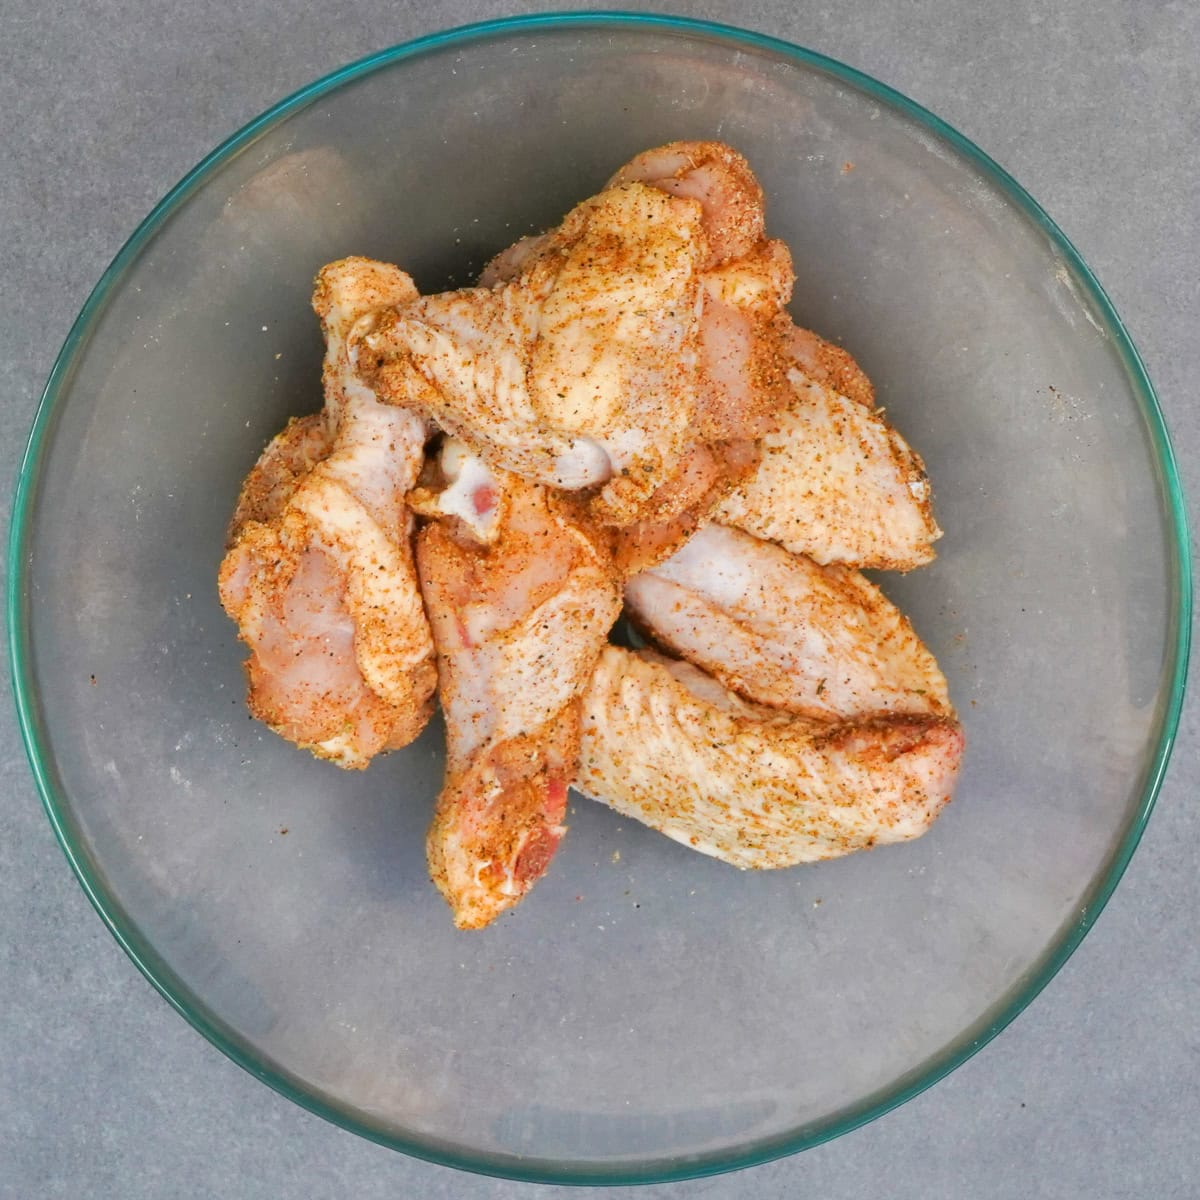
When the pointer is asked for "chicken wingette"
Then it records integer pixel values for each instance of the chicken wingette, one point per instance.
(608, 353)
(781, 630)
(667, 745)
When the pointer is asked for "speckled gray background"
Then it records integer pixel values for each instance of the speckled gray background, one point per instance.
(1093, 1092)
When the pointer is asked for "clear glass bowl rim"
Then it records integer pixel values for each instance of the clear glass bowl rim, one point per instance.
(543, 1171)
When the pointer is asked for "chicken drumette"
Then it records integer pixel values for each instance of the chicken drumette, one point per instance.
(521, 596)
(319, 573)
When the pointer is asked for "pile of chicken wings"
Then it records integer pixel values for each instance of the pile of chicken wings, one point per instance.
(621, 416)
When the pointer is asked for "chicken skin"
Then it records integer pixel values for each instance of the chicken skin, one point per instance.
(520, 604)
(319, 574)
(780, 630)
(667, 745)
(822, 362)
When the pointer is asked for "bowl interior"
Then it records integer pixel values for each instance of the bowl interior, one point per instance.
(646, 1011)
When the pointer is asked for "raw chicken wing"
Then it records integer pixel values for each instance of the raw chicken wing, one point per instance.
(520, 607)
(823, 362)
(607, 352)
(578, 373)
(707, 474)
(665, 744)
(746, 282)
(782, 631)
(319, 574)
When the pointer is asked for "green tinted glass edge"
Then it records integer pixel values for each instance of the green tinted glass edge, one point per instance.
(539, 1171)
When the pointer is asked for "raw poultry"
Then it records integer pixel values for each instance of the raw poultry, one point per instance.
(834, 480)
(781, 630)
(319, 573)
(621, 412)
(521, 596)
(605, 352)
(665, 744)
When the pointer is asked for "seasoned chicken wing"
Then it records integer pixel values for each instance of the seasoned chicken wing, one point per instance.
(605, 353)
(580, 371)
(319, 573)
(273, 480)
(521, 598)
(719, 179)
(834, 480)
(782, 631)
(665, 744)
(622, 411)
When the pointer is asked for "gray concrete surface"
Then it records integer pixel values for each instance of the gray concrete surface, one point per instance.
(1093, 1092)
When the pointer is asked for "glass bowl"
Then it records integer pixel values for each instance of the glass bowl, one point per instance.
(647, 1013)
